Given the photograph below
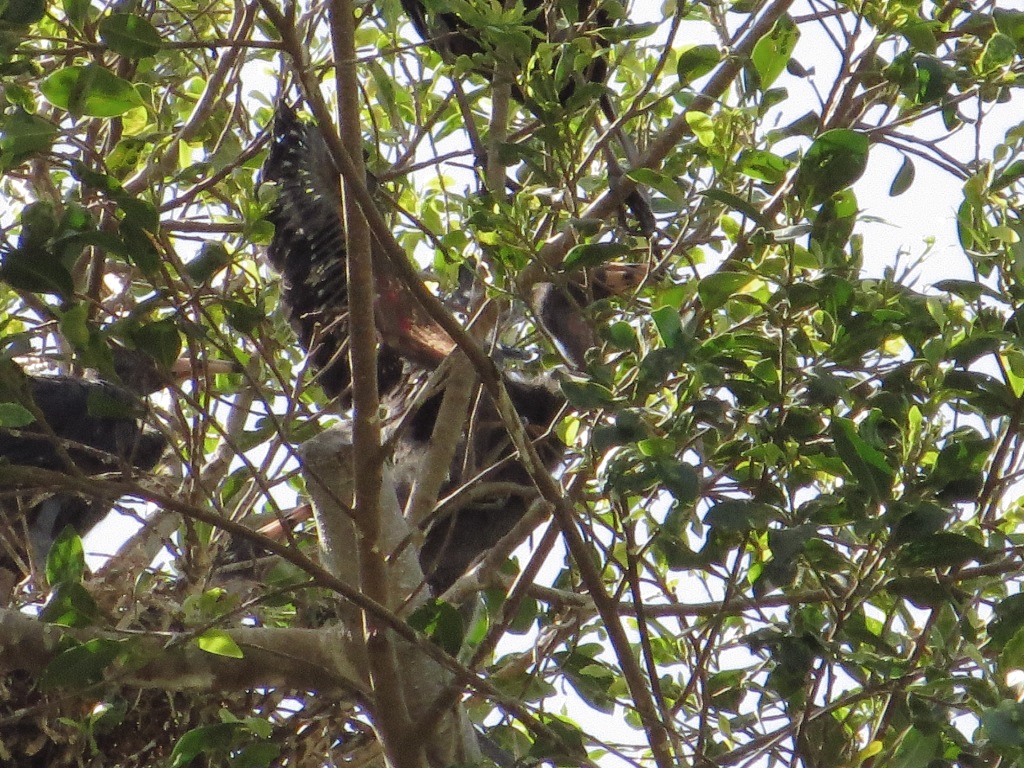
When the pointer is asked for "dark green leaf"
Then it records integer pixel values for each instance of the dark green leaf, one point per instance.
(160, 340)
(1008, 619)
(77, 12)
(38, 271)
(943, 550)
(867, 464)
(244, 318)
(1005, 725)
(904, 178)
(70, 605)
(209, 739)
(24, 12)
(740, 515)
(82, 665)
(442, 623)
(678, 478)
(787, 543)
(934, 78)
(922, 521)
(130, 35)
(586, 395)
(835, 160)
(14, 415)
(22, 135)
(592, 254)
(696, 61)
(212, 258)
(923, 592)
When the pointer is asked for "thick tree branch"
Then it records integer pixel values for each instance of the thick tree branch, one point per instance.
(293, 659)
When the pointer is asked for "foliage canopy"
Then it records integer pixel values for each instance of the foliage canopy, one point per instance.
(794, 486)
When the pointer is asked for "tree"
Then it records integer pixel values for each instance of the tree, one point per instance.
(785, 526)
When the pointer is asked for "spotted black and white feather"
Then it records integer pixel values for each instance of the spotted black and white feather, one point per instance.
(308, 250)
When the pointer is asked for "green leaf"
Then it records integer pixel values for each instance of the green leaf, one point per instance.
(74, 325)
(702, 125)
(586, 395)
(160, 340)
(212, 258)
(763, 165)
(442, 623)
(592, 254)
(1004, 725)
(1008, 619)
(38, 271)
(90, 90)
(66, 560)
(717, 288)
(922, 521)
(244, 318)
(670, 327)
(622, 32)
(772, 52)
(904, 178)
(1012, 654)
(922, 591)
(77, 12)
(696, 61)
(916, 750)
(219, 643)
(943, 550)
(678, 478)
(738, 204)
(82, 665)
(14, 416)
(24, 12)
(740, 515)
(999, 52)
(70, 605)
(835, 160)
(662, 182)
(208, 739)
(868, 465)
(933, 78)
(22, 135)
(130, 35)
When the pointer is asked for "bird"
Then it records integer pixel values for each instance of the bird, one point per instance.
(73, 425)
(308, 251)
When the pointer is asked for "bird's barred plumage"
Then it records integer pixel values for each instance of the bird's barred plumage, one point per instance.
(308, 250)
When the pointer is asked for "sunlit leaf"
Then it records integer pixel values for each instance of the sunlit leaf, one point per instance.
(90, 90)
